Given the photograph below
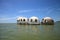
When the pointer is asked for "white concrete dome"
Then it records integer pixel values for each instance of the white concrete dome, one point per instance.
(22, 18)
(47, 18)
(19, 18)
(33, 18)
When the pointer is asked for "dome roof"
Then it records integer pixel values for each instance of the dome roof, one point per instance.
(33, 17)
(47, 18)
(21, 18)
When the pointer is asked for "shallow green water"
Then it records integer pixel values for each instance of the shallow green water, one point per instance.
(11, 31)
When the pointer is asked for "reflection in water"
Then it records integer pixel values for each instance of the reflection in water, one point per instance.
(36, 32)
(35, 28)
(29, 28)
(47, 28)
(29, 32)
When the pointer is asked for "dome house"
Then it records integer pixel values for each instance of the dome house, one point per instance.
(47, 21)
(34, 20)
(22, 20)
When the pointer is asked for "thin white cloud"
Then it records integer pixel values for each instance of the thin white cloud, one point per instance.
(23, 11)
(49, 11)
(5, 18)
(53, 10)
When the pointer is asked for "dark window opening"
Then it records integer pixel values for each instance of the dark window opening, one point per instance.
(35, 20)
(28, 19)
(52, 21)
(23, 19)
(31, 20)
(45, 21)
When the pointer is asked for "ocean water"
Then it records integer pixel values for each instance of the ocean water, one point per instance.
(12, 31)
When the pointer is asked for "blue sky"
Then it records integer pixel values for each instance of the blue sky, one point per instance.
(11, 9)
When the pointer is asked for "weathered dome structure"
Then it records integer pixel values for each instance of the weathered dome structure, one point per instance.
(47, 21)
(22, 20)
(34, 20)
